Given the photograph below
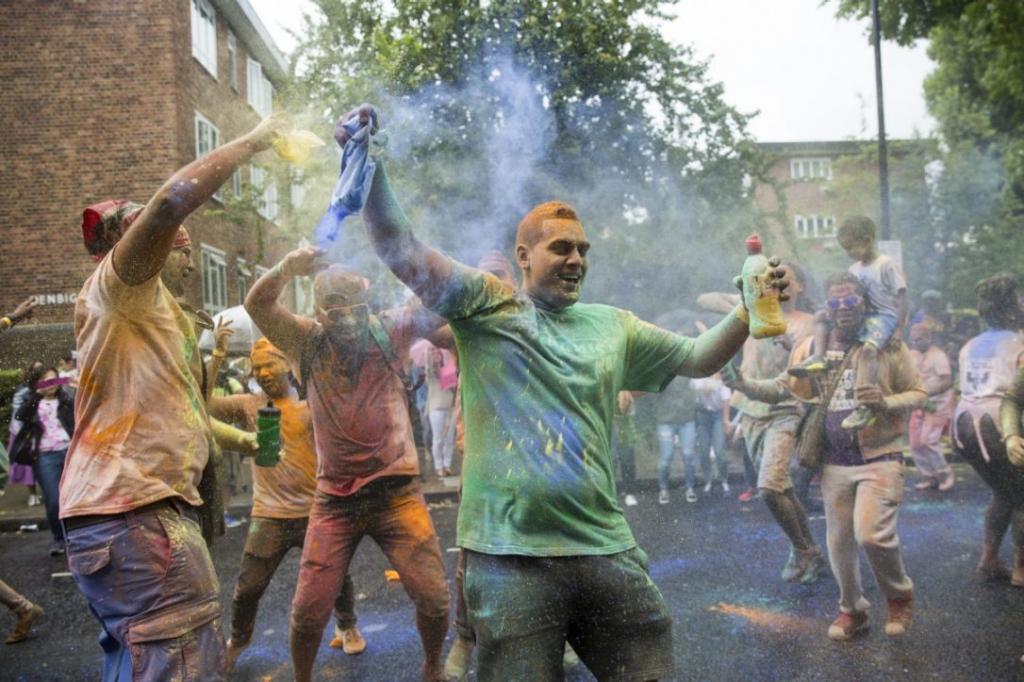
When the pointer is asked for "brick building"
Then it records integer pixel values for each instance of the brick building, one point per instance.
(107, 99)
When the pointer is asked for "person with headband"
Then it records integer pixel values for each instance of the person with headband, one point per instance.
(550, 556)
(352, 365)
(142, 438)
(282, 497)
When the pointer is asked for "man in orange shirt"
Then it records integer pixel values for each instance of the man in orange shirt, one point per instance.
(282, 498)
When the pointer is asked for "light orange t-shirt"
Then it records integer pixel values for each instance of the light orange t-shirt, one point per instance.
(142, 433)
(284, 491)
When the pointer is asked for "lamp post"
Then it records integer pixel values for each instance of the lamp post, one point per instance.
(883, 160)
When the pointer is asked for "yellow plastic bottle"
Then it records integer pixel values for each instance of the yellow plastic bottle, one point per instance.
(761, 297)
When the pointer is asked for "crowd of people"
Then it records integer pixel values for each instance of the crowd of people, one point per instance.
(536, 390)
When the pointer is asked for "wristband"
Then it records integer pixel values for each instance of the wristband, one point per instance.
(218, 353)
(279, 270)
(8, 320)
(742, 315)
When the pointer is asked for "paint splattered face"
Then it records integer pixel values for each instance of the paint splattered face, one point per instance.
(555, 265)
(176, 268)
(857, 249)
(849, 313)
(920, 338)
(271, 373)
(341, 307)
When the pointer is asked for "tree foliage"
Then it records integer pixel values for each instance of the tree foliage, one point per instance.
(976, 94)
(492, 107)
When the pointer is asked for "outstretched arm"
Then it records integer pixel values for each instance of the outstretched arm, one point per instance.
(422, 268)
(284, 329)
(141, 253)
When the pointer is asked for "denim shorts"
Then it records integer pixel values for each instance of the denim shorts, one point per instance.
(523, 610)
(877, 328)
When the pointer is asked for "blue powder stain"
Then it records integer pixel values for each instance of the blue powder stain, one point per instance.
(328, 231)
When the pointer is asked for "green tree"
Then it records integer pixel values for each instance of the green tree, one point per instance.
(495, 106)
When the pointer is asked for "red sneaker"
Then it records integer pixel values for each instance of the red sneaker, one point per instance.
(749, 494)
(900, 612)
(847, 625)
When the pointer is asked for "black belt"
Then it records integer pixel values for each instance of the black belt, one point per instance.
(175, 503)
(381, 485)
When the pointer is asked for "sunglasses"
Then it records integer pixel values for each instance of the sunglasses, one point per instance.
(844, 302)
(341, 310)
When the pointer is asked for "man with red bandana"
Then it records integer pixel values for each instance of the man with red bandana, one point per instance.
(351, 364)
(129, 490)
(550, 557)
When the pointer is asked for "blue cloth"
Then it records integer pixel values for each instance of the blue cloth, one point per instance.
(358, 164)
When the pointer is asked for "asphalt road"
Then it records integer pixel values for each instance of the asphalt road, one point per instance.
(716, 561)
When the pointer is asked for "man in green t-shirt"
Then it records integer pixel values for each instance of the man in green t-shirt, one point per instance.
(550, 556)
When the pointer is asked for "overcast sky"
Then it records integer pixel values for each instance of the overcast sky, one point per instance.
(811, 76)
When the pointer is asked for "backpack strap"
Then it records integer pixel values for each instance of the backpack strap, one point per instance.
(380, 335)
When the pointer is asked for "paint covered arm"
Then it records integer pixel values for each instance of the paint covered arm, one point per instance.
(232, 439)
(285, 329)
(141, 253)
(422, 268)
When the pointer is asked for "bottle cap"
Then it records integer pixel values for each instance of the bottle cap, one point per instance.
(753, 244)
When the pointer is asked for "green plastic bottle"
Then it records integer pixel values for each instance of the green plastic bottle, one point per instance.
(268, 435)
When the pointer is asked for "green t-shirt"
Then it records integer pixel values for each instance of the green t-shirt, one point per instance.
(538, 400)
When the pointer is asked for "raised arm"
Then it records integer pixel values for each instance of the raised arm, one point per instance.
(422, 268)
(141, 253)
(285, 329)
(717, 345)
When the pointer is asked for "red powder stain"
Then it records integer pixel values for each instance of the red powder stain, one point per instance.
(770, 620)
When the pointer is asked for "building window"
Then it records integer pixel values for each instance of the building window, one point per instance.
(236, 183)
(232, 60)
(261, 92)
(266, 203)
(207, 139)
(815, 227)
(204, 35)
(244, 275)
(811, 169)
(215, 295)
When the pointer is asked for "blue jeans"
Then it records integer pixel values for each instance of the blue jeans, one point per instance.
(148, 578)
(687, 434)
(48, 470)
(711, 435)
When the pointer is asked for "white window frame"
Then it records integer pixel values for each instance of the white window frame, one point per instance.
(233, 61)
(214, 273)
(267, 204)
(260, 91)
(811, 168)
(207, 139)
(236, 183)
(814, 226)
(204, 35)
(243, 275)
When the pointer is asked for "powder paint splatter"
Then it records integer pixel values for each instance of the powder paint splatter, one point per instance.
(770, 620)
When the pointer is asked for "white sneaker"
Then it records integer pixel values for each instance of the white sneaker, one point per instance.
(663, 497)
(630, 501)
(33, 501)
(725, 487)
(690, 495)
(707, 488)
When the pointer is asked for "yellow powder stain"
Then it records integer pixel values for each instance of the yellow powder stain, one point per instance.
(549, 448)
(770, 620)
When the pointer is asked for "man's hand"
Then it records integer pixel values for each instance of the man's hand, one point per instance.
(24, 310)
(222, 335)
(249, 440)
(779, 280)
(303, 262)
(364, 112)
(276, 125)
(732, 378)
(871, 396)
(624, 402)
(1015, 450)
